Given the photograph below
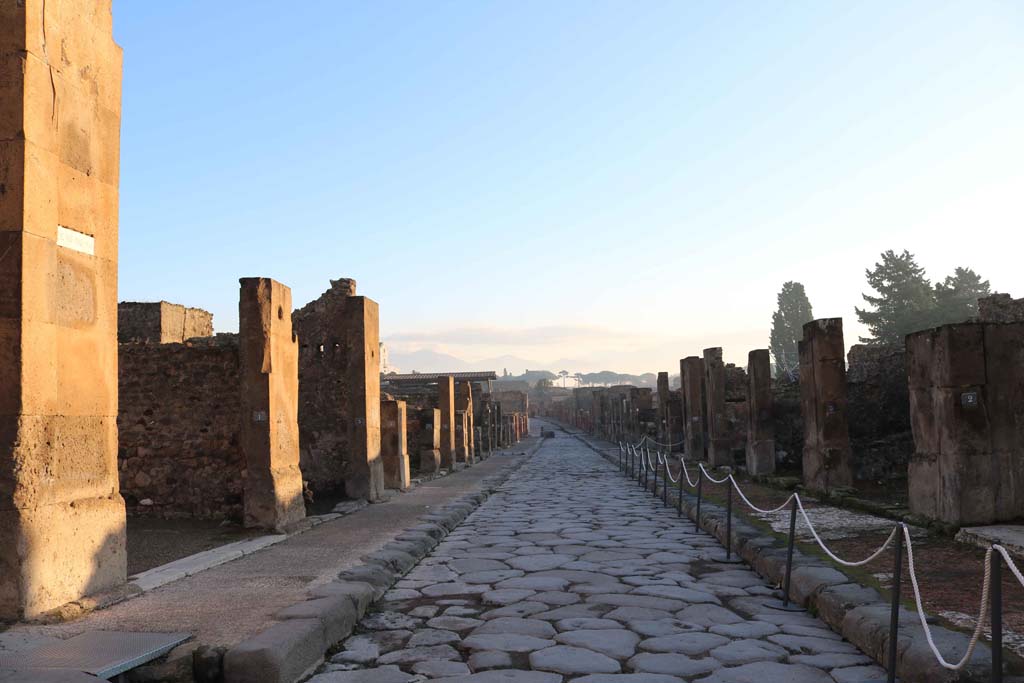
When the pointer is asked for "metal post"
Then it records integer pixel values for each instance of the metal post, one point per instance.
(664, 484)
(657, 465)
(894, 613)
(682, 476)
(786, 607)
(997, 617)
(700, 486)
(728, 522)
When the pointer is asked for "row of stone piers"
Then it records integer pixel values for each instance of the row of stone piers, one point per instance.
(960, 386)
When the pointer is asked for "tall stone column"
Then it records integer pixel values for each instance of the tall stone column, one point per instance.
(394, 451)
(430, 449)
(269, 377)
(462, 456)
(719, 443)
(760, 422)
(446, 401)
(967, 416)
(62, 520)
(692, 373)
(827, 454)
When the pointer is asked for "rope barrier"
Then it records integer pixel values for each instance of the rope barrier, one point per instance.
(647, 463)
(982, 613)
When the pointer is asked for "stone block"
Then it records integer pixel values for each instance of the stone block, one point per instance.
(719, 443)
(692, 372)
(336, 614)
(282, 653)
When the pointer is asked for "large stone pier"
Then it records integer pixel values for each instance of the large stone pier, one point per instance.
(62, 520)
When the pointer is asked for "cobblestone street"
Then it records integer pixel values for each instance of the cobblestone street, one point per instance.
(570, 571)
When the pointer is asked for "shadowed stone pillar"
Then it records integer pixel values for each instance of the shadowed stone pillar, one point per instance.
(268, 369)
(461, 437)
(760, 422)
(62, 520)
(664, 430)
(967, 415)
(430, 450)
(446, 401)
(692, 373)
(826, 457)
(394, 451)
(719, 443)
(464, 402)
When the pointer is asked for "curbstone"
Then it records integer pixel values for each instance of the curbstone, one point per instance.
(336, 612)
(808, 581)
(360, 594)
(282, 653)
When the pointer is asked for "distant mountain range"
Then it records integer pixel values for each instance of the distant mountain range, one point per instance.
(425, 360)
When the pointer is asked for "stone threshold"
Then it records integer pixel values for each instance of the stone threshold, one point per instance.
(1010, 536)
(858, 613)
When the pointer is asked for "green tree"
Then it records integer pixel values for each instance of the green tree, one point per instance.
(905, 300)
(787, 328)
(956, 297)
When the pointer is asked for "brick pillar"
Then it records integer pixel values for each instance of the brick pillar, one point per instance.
(394, 452)
(446, 401)
(430, 449)
(364, 472)
(692, 372)
(269, 378)
(966, 398)
(826, 457)
(719, 441)
(62, 520)
(760, 423)
(464, 402)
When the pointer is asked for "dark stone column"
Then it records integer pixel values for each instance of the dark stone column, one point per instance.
(692, 369)
(967, 415)
(719, 443)
(760, 422)
(827, 456)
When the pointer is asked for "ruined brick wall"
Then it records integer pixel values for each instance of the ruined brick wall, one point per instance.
(339, 391)
(1000, 308)
(178, 419)
(789, 424)
(879, 412)
(161, 322)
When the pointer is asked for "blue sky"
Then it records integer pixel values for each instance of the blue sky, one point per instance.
(604, 184)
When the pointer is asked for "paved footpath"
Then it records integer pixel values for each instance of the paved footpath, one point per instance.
(570, 571)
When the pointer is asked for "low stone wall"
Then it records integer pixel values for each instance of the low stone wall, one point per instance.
(178, 420)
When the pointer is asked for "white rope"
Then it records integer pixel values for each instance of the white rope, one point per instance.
(710, 478)
(754, 507)
(1010, 563)
(666, 445)
(835, 557)
(682, 467)
(982, 612)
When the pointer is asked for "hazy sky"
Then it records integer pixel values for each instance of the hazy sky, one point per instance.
(616, 183)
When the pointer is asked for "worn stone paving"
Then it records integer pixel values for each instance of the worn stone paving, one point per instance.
(571, 572)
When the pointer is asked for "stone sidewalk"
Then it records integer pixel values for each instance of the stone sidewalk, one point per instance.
(254, 588)
(570, 571)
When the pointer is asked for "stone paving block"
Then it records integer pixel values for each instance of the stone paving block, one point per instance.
(618, 643)
(380, 674)
(769, 672)
(573, 660)
(674, 664)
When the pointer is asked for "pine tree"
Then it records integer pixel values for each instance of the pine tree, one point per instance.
(787, 328)
(905, 301)
(956, 297)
